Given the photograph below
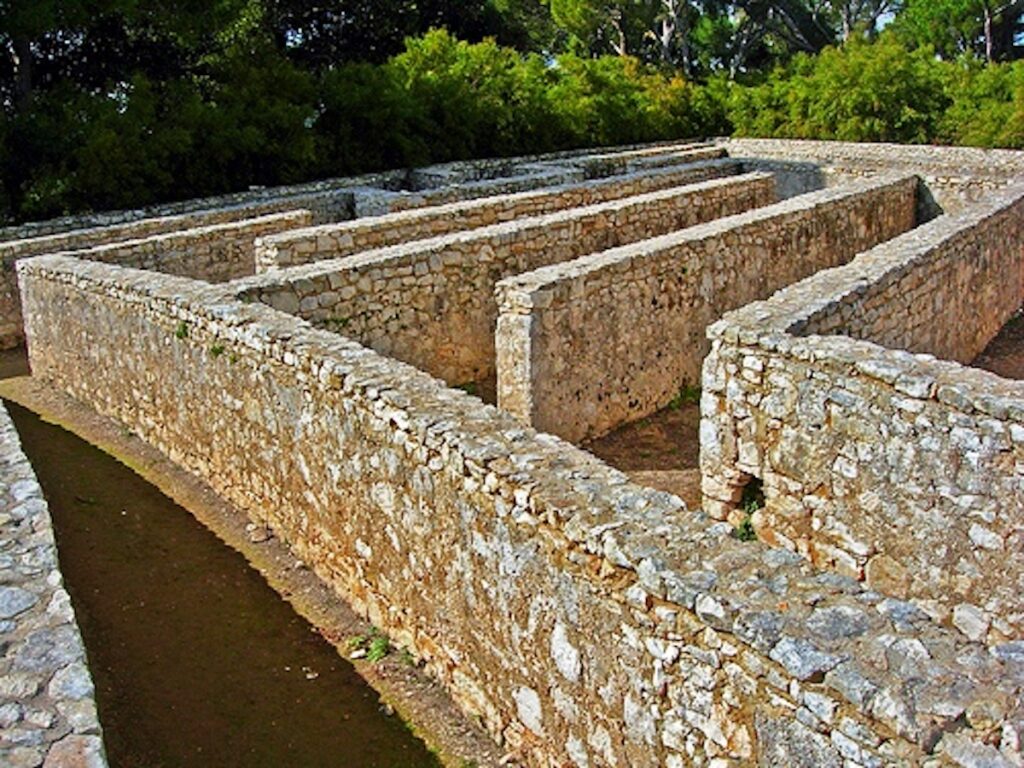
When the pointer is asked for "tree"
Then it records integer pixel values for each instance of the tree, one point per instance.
(983, 28)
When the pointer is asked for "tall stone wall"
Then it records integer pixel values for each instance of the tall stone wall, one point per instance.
(585, 620)
(893, 467)
(336, 240)
(215, 253)
(47, 706)
(587, 345)
(431, 303)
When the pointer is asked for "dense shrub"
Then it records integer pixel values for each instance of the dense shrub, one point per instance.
(861, 92)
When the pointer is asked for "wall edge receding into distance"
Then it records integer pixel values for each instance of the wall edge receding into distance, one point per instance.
(579, 616)
(889, 466)
(332, 241)
(47, 696)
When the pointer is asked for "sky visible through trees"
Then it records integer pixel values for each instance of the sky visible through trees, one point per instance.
(122, 103)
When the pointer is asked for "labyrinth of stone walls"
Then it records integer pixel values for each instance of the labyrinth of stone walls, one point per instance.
(895, 467)
(431, 302)
(587, 345)
(333, 241)
(327, 201)
(585, 620)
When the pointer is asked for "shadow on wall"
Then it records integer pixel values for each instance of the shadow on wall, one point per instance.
(928, 207)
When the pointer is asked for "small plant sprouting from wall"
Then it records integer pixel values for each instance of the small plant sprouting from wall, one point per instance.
(216, 350)
(470, 388)
(751, 501)
(337, 324)
(373, 646)
(181, 332)
(687, 395)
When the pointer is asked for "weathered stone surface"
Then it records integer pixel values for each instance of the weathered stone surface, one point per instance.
(611, 337)
(431, 302)
(908, 474)
(781, 741)
(43, 668)
(333, 241)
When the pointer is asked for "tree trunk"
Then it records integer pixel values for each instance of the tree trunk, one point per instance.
(988, 32)
(22, 60)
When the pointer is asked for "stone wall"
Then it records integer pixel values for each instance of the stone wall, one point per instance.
(585, 620)
(336, 240)
(47, 709)
(956, 177)
(587, 345)
(431, 303)
(215, 253)
(893, 467)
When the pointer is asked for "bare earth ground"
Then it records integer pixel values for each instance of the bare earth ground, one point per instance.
(417, 699)
(660, 451)
(1005, 353)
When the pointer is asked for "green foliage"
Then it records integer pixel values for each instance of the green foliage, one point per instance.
(374, 646)
(861, 92)
(751, 501)
(181, 331)
(988, 105)
(687, 395)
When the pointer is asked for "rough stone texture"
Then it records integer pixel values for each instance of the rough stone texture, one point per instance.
(336, 240)
(956, 177)
(889, 466)
(431, 302)
(215, 253)
(46, 693)
(587, 621)
(587, 345)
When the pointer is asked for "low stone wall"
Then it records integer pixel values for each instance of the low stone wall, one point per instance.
(431, 303)
(888, 466)
(215, 253)
(585, 620)
(587, 345)
(47, 709)
(336, 240)
(956, 177)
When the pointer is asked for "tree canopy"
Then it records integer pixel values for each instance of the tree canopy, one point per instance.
(114, 103)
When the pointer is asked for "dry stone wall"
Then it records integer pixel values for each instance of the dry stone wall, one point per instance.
(956, 177)
(889, 466)
(47, 708)
(587, 621)
(431, 303)
(587, 345)
(215, 253)
(336, 240)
